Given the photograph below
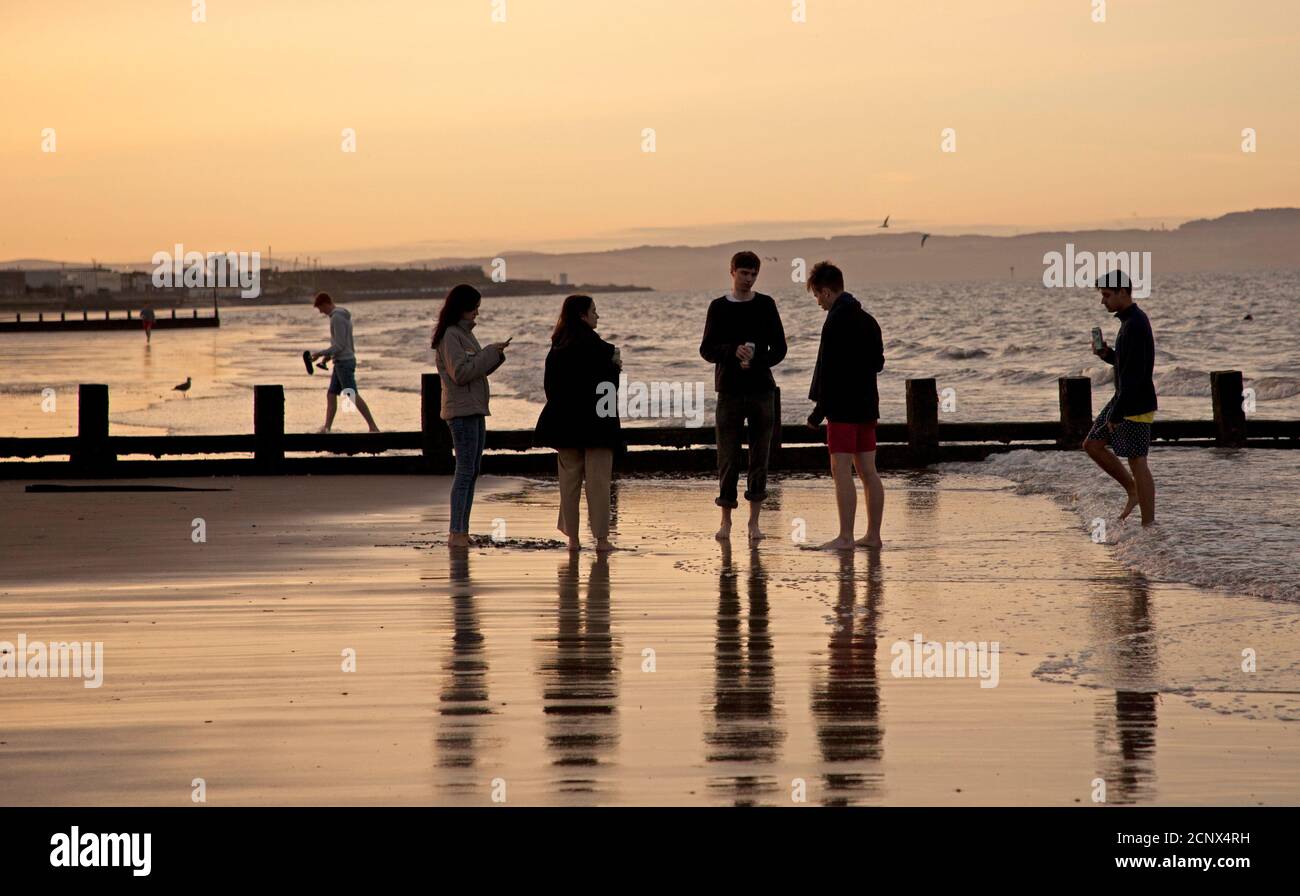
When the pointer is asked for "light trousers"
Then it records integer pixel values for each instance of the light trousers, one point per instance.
(593, 466)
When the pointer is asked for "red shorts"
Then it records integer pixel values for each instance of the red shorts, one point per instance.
(850, 438)
(148, 325)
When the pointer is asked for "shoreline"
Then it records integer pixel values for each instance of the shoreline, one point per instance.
(222, 658)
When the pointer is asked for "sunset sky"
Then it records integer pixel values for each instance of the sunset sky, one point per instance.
(474, 137)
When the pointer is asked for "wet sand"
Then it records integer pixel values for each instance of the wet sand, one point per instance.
(512, 665)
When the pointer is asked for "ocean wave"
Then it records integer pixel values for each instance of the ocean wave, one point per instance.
(1226, 518)
(956, 353)
(1184, 382)
(1274, 388)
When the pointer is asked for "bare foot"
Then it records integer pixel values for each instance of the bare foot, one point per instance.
(458, 540)
(323, 429)
(866, 541)
(375, 429)
(574, 545)
(843, 543)
(1132, 502)
(603, 546)
(724, 534)
(755, 533)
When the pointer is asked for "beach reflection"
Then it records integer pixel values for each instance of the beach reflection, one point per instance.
(580, 682)
(1126, 719)
(744, 728)
(846, 691)
(463, 701)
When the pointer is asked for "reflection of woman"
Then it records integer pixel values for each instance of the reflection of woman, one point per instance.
(464, 366)
(580, 419)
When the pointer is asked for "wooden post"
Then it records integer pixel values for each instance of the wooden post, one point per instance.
(435, 435)
(1229, 416)
(63, 315)
(105, 315)
(85, 315)
(268, 426)
(92, 427)
(1075, 395)
(774, 451)
(196, 314)
(173, 314)
(923, 419)
(19, 317)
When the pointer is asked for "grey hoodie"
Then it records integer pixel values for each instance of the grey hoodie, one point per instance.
(341, 348)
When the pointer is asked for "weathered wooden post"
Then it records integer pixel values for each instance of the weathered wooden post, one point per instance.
(1075, 395)
(173, 314)
(92, 427)
(923, 420)
(435, 436)
(63, 315)
(774, 450)
(1229, 415)
(268, 426)
(105, 315)
(40, 317)
(18, 317)
(85, 315)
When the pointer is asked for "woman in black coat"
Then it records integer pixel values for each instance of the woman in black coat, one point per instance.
(580, 420)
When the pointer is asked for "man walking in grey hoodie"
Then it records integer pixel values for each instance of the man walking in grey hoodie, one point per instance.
(344, 378)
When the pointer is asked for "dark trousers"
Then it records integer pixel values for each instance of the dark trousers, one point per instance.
(732, 414)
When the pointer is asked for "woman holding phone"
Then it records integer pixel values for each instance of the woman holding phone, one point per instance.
(580, 419)
(464, 367)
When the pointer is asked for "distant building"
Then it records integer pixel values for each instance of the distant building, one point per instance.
(92, 281)
(13, 283)
(44, 281)
(564, 280)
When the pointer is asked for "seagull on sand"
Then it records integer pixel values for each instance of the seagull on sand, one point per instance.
(886, 224)
(924, 237)
(183, 387)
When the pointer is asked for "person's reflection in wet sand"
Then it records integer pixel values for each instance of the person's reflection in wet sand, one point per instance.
(1126, 720)
(846, 692)
(464, 697)
(580, 678)
(744, 729)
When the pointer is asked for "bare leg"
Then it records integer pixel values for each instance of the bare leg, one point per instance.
(458, 540)
(1100, 452)
(365, 412)
(874, 496)
(846, 502)
(724, 532)
(755, 533)
(1146, 488)
(331, 408)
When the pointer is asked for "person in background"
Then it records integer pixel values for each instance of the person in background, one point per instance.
(844, 393)
(463, 368)
(744, 339)
(1124, 424)
(344, 377)
(580, 421)
(147, 318)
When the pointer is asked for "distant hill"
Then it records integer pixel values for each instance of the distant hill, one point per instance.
(1263, 239)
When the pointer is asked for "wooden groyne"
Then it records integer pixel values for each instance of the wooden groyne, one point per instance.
(46, 322)
(94, 453)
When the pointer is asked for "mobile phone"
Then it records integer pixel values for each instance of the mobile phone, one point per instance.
(1097, 342)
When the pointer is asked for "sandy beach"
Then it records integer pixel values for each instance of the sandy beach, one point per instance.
(679, 672)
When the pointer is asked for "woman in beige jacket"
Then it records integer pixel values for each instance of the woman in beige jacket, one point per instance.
(463, 367)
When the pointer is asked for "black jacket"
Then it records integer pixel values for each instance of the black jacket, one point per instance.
(572, 417)
(731, 324)
(1134, 357)
(850, 355)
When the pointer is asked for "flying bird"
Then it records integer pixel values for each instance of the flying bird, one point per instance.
(183, 387)
(886, 224)
(924, 237)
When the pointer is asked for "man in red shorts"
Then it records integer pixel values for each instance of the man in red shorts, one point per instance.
(844, 393)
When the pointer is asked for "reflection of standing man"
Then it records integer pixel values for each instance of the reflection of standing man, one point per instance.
(147, 319)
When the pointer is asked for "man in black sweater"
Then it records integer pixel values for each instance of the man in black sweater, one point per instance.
(1124, 424)
(844, 393)
(744, 339)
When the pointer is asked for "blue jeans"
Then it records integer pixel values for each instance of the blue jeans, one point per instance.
(468, 437)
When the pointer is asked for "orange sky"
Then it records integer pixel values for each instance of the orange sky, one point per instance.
(475, 136)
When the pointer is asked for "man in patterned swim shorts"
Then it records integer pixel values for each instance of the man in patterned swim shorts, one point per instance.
(1124, 424)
